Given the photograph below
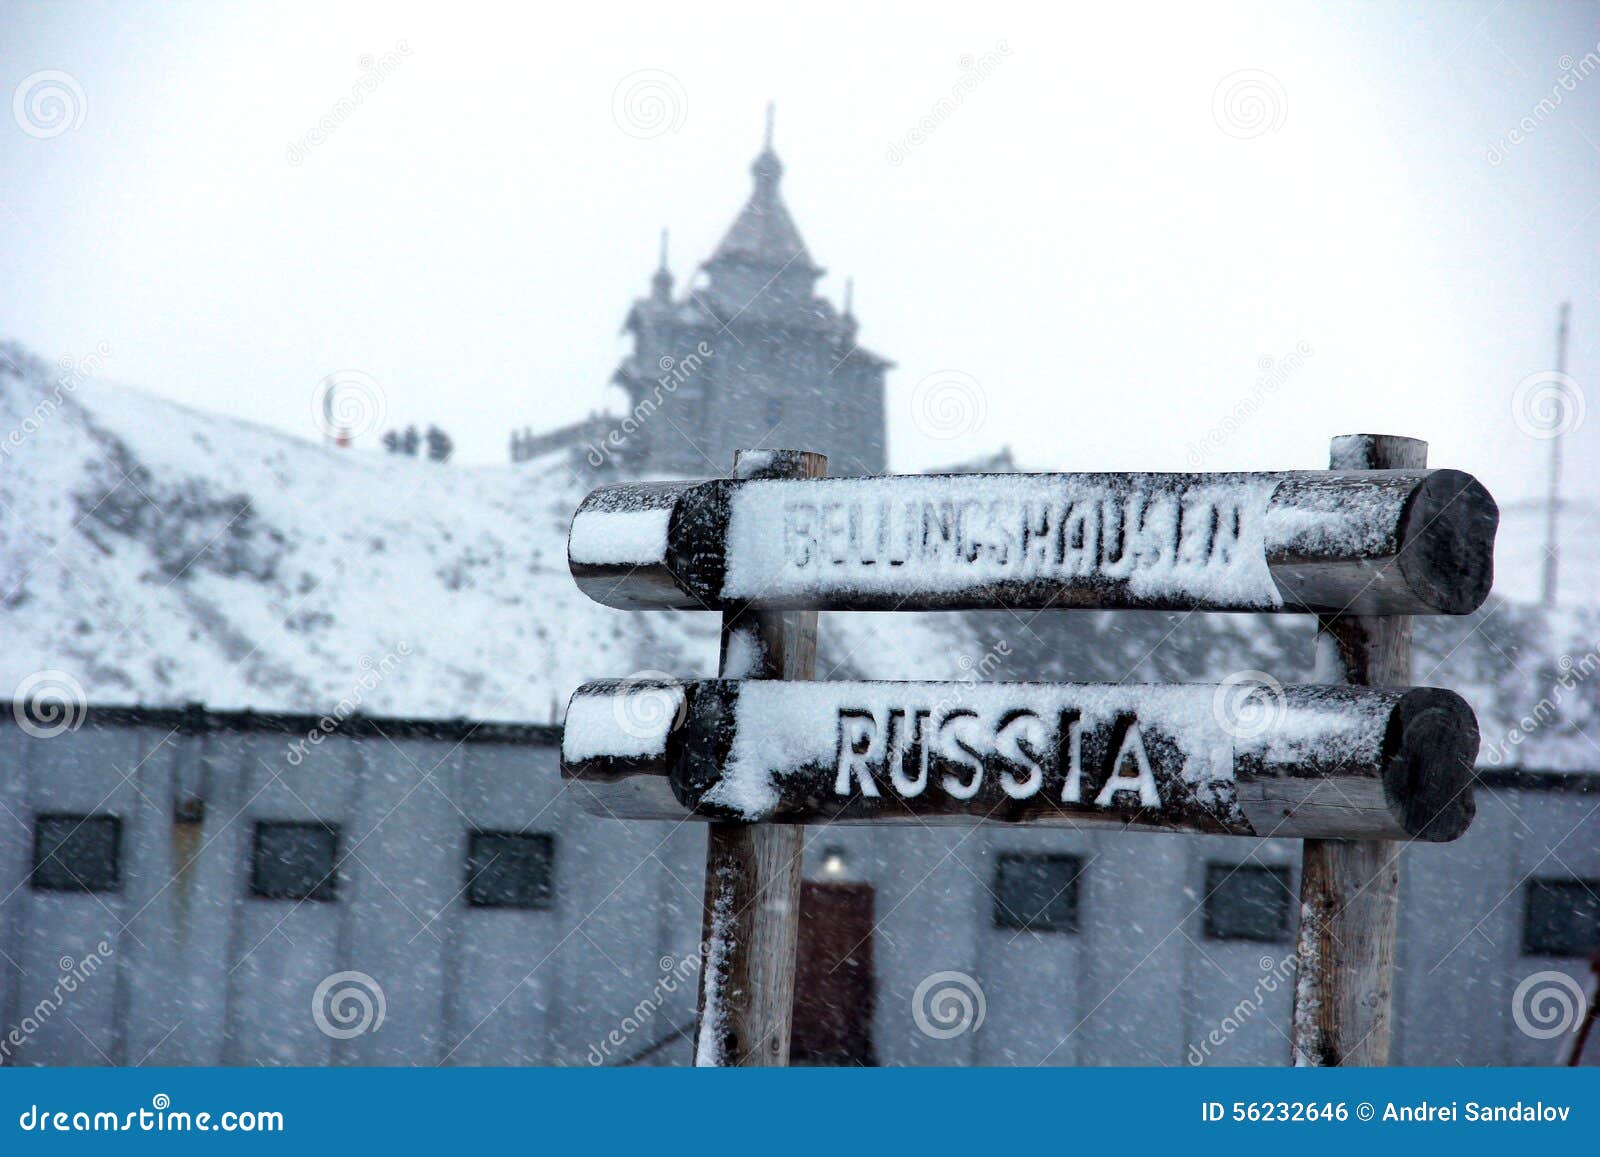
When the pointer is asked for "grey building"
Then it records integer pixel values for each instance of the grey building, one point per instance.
(748, 354)
(180, 887)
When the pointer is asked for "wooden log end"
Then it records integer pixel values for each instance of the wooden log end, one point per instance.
(1377, 452)
(750, 464)
(1447, 542)
(617, 547)
(617, 728)
(1430, 750)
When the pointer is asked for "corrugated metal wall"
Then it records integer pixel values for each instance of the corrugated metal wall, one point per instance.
(197, 971)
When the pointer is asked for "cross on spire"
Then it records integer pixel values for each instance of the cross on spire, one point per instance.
(661, 280)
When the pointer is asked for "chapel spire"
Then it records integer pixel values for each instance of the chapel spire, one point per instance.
(749, 346)
(661, 280)
(764, 236)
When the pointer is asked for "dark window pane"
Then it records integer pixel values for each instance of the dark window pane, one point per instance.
(1247, 903)
(1037, 893)
(295, 861)
(1562, 918)
(509, 870)
(76, 853)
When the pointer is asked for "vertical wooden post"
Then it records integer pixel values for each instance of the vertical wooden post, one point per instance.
(752, 899)
(1349, 889)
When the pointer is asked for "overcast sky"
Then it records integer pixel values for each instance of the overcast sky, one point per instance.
(1105, 240)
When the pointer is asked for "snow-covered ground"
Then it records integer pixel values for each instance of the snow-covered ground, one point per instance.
(155, 554)
(160, 555)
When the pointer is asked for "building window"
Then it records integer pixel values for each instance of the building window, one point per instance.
(1037, 893)
(1561, 918)
(1247, 903)
(510, 870)
(77, 853)
(295, 861)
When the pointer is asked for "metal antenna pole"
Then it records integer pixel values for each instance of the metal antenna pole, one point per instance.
(1552, 551)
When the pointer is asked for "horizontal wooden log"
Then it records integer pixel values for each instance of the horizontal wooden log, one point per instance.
(1247, 760)
(1369, 542)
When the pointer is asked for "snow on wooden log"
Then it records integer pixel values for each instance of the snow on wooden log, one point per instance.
(1249, 760)
(1370, 542)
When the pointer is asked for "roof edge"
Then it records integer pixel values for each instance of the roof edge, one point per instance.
(197, 719)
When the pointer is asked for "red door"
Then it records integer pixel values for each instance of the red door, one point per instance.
(834, 984)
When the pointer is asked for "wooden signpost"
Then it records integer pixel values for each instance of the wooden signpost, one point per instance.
(1387, 542)
(751, 921)
(1350, 889)
(1352, 766)
(1328, 762)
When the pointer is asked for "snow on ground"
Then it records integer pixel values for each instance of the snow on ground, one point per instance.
(161, 555)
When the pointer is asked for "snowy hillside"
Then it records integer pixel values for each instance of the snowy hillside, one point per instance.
(159, 555)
